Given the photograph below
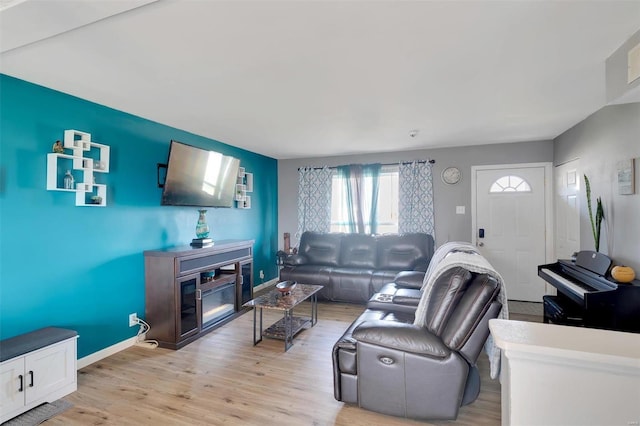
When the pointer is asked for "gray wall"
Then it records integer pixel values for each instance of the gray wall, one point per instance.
(600, 141)
(449, 226)
(617, 74)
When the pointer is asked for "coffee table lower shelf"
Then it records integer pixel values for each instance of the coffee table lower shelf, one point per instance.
(279, 329)
(290, 325)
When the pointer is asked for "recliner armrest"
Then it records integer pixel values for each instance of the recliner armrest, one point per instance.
(295, 259)
(402, 337)
(409, 279)
(407, 297)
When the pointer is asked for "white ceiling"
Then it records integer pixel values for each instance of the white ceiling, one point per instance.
(292, 79)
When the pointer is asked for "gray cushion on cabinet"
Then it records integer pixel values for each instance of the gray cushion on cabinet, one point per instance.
(28, 342)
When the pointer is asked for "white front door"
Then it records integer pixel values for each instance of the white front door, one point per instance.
(510, 225)
(567, 186)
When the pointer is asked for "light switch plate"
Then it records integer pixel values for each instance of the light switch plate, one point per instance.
(460, 209)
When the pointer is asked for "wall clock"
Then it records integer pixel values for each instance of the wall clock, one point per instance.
(451, 175)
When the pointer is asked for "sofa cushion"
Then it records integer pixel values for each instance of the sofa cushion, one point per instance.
(321, 248)
(381, 278)
(476, 300)
(445, 295)
(404, 251)
(350, 284)
(310, 274)
(358, 251)
(401, 336)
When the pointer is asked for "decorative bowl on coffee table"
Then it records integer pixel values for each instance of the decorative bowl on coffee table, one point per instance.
(285, 287)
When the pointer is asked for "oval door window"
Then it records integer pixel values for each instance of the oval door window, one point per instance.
(510, 183)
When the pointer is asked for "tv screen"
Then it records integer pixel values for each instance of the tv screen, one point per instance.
(197, 177)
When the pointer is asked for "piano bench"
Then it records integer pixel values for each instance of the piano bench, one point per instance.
(560, 312)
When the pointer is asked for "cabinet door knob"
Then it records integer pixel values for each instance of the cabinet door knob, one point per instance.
(21, 378)
(30, 379)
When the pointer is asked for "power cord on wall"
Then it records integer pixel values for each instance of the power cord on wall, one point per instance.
(140, 337)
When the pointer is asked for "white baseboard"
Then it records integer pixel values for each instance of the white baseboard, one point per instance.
(267, 284)
(113, 349)
(101, 354)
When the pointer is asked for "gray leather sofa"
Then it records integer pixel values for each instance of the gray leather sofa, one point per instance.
(352, 267)
(385, 363)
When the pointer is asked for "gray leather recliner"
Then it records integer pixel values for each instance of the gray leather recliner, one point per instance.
(385, 363)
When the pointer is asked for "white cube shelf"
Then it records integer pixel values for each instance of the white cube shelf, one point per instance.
(80, 145)
(244, 185)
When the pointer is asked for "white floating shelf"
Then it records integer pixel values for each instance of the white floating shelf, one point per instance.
(86, 158)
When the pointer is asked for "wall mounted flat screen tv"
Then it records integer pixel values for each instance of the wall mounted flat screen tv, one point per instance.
(197, 177)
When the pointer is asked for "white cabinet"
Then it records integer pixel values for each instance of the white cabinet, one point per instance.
(11, 387)
(42, 375)
(84, 158)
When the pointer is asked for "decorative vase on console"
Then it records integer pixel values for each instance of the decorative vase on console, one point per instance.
(202, 229)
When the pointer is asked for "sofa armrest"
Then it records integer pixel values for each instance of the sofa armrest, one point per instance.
(409, 279)
(401, 336)
(407, 297)
(295, 260)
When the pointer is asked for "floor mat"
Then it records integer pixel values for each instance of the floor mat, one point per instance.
(39, 414)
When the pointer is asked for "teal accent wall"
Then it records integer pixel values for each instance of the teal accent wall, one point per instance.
(82, 267)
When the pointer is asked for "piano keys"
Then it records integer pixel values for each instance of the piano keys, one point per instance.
(575, 288)
(588, 297)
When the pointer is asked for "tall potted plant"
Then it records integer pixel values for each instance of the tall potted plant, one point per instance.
(595, 224)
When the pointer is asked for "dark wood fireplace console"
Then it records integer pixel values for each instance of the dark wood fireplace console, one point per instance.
(190, 291)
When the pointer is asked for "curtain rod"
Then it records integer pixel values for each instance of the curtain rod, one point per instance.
(383, 164)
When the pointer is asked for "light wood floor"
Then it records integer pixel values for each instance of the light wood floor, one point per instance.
(222, 379)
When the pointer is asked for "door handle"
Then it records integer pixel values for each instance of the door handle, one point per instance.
(480, 244)
(30, 379)
(21, 378)
(198, 294)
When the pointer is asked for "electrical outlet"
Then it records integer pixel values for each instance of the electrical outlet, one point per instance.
(261, 274)
(133, 319)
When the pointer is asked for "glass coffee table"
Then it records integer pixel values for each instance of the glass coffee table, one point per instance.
(290, 325)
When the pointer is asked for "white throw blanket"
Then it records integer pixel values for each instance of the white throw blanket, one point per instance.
(443, 251)
(466, 256)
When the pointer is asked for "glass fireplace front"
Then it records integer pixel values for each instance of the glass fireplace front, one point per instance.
(218, 303)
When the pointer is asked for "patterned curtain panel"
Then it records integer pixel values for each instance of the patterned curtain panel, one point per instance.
(416, 198)
(314, 200)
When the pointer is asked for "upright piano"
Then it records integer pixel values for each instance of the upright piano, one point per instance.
(588, 296)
